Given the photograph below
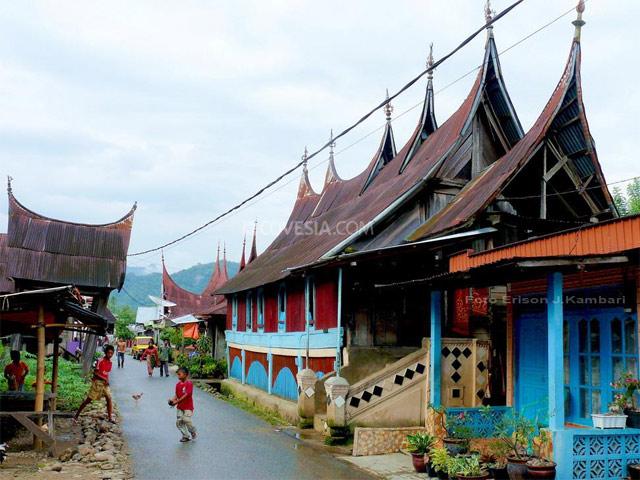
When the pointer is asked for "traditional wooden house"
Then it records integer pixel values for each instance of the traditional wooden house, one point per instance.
(535, 222)
(191, 308)
(56, 276)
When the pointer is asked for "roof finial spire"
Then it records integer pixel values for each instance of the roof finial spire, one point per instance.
(9, 178)
(305, 155)
(488, 17)
(578, 22)
(388, 108)
(332, 144)
(430, 62)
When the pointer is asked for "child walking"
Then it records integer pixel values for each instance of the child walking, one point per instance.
(183, 401)
(100, 384)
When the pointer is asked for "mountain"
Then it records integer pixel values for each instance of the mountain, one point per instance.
(140, 283)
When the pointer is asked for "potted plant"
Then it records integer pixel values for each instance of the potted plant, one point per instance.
(457, 431)
(628, 384)
(614, 418)
(419, 445)
(517, 432)
(496, 460)
(439, 458)
(539, 466)
(467, 467)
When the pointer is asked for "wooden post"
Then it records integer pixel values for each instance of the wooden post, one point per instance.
(39, 403)
(54, 371)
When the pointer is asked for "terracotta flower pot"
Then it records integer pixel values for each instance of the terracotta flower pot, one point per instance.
(420, 462)
(456, 446)
(545, 470)
(517, 468)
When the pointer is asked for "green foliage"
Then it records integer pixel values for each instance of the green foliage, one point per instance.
(464, 466)
(174, 335)
(204, 345)
(455, 426)
(420, 442)
(202, 366)
(628, 203)
(439, 459)
(125, 316)
(72, 386)
(518, 432)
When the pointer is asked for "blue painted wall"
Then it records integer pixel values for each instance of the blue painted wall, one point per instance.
(257, 376)
(236, 369)
(286, 385)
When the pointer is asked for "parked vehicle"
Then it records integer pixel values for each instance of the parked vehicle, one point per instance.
(140, 344)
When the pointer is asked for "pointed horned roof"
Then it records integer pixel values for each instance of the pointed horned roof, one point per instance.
(391, 188)
(254, 249)
(44, 249)
(243, 262)
(562, 123)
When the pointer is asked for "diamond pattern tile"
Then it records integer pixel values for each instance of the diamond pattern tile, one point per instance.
(482, 367)
(456, 352)
(456, 364)
(377, 390)
(445, 352)
(366, 396)
(455, 377)
(467, 352)
(420, 368)
(398, 380)
(409, 373)
(354, 402)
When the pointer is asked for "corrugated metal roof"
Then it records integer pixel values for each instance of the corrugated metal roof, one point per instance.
(145, 315)
(606, 238)
(6, 284)
(54, 251)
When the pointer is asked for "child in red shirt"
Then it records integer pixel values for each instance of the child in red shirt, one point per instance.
(16, 372)
(183, 400)
(100, 384)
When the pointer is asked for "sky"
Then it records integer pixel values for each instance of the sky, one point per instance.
(189, 107)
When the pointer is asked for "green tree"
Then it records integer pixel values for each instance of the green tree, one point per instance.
(620, 200)
(633, 197)
(125, 316)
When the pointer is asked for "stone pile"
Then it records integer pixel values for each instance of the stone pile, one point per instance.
(102, 448)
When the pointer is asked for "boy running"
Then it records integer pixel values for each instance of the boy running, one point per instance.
(100, 384)
(183, 400)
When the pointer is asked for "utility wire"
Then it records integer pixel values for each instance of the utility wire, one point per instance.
(341, 134)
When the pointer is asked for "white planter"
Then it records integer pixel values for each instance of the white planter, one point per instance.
(601, 420)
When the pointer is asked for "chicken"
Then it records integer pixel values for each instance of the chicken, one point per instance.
(137, 396)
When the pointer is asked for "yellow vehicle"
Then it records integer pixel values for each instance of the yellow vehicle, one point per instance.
(140, 344)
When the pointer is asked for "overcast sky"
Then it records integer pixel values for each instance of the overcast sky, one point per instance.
(188, 107)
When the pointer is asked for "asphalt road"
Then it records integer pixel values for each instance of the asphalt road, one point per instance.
(231, 443)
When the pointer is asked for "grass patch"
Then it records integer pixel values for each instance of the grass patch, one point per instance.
(267, 415)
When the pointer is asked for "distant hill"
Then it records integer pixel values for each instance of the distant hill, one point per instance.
(138, 285)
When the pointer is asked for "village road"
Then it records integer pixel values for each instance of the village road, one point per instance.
(231, 443)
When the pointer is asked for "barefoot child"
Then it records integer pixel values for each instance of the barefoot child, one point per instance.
(183, 400)
(100, 384)
(16, 372)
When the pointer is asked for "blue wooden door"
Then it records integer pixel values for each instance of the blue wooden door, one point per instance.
(532, 380)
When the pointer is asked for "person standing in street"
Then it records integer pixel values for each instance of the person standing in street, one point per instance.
(122, 347)
(165, 356)
(183, 401)
(151, 355)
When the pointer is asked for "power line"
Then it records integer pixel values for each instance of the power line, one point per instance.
(341, 134)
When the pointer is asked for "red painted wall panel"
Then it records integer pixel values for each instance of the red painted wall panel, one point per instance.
(233, 353)
(281, 361)
(324, 364)
(229, 315)
(270, 310)
(326, 304)
(242, 314)
(251, 357)
(295, 307)
(254, 307)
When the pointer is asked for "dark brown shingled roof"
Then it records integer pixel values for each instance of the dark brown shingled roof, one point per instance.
(43, 249)
(6, 285)
(484, 189)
